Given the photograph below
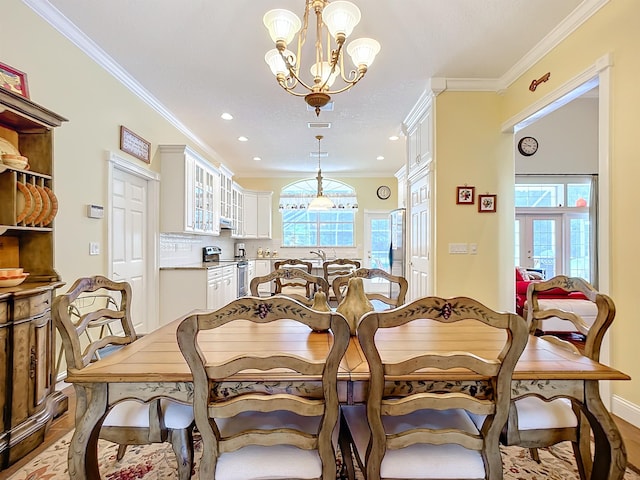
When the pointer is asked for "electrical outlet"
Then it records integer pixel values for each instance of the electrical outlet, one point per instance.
(94, 248)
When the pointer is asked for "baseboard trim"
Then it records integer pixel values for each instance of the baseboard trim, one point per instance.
(626, 410)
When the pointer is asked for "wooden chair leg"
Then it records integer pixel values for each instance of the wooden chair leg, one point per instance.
(182, 442)
(534, 454)
(122, 448)
(579, 460)
(344, 441)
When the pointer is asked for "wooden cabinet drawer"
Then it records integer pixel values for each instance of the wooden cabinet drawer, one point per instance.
(32, 305)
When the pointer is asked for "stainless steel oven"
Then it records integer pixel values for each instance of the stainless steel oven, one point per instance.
(243, 278)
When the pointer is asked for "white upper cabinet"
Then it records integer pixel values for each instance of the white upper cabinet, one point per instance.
(189, 192)
(257, 214)
(226, 193)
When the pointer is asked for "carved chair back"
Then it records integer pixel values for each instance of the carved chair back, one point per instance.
(237, 425)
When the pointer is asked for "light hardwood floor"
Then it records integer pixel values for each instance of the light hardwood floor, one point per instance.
(64, 424)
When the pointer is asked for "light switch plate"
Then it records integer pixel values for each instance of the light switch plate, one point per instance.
(458, 248)
(94, 248)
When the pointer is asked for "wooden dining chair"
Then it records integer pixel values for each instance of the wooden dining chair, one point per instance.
(316, 283)
(335, 268)
(296, 286)
(535, 421)
(282, 431)
(129, 422)
(428, 431)
(340, 283)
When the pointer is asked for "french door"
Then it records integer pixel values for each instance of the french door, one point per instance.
(555, 244)
(539, 243)
(377, 239)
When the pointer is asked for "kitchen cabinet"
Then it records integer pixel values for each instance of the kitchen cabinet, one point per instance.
(226, 193)
(185, 289)
(262, 268)
(257, 214)
(401, 175)
(28, 400)
(238, 211)
(420, 137)
(189, 192)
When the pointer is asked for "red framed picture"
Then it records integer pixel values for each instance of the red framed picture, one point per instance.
(486, 203)
(13, 80)
(465, 195)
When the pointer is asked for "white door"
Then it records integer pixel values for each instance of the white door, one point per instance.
(131, 236)
(377, 240)
(539, 243)
(420, 234)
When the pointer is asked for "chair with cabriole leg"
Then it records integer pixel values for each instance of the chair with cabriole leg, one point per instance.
(129, 422)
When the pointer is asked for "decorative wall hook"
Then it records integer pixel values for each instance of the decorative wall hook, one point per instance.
(542, 79)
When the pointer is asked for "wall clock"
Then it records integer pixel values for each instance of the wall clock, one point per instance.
(383, 192)
(527, 146)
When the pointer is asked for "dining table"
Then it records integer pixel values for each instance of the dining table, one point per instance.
(153, 367)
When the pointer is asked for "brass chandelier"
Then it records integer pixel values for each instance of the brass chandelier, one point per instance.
(340, 18)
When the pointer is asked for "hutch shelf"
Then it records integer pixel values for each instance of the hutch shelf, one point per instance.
(28, 399)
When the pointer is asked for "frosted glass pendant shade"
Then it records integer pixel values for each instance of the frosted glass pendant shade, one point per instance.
(323, 70)
(276, 63)
(320, 203)
(340, 17)
(363, 51)
(282, 24)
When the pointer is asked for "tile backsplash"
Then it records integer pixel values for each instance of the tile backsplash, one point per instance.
(178, 249)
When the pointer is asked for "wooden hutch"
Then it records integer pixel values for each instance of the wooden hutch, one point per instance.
(28, 400)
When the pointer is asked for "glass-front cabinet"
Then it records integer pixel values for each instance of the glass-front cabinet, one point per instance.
(190, 192)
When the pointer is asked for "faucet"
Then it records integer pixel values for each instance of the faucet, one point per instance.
(320, 253)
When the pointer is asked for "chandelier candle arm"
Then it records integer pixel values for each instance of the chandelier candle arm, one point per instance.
(340, 18)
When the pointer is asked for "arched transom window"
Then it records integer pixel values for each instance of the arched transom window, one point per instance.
(328, 228)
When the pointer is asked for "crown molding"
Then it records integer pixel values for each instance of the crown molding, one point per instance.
(581, 14)
(64, 26)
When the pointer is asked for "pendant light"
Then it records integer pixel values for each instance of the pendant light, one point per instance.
(320, 202)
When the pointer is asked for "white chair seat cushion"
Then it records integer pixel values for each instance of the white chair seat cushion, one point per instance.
(534, 414)
(585, 309)
(130, 413)
(276, 462)
(420, 460)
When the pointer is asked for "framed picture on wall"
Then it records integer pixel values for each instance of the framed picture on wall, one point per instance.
(465, 195)
(486, 203)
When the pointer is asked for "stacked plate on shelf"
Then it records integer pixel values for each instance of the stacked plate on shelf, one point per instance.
(10, 156)
(10, 277)
(36, 205)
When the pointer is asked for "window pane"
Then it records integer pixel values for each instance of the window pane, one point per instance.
(579, 261)
(544, 246)
(551, 195)
(578, 194)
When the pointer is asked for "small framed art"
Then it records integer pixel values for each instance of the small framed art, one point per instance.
(465, 195)
(13, 80)
(134, 144)
(486, 203)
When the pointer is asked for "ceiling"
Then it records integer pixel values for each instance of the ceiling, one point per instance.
(199, 58)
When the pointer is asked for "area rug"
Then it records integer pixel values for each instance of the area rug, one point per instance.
(157, 462)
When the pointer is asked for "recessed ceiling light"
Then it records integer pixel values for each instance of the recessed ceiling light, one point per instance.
(393, 138)
(243, 139)
(257, 159)
(379, 157)
(226, 116)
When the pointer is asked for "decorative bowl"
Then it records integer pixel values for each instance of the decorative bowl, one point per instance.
(11, 272)
(12, 282)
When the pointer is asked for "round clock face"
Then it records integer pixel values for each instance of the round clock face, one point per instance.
(384, 192)
(527, 146)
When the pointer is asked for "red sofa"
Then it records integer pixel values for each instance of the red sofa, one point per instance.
(522, 282)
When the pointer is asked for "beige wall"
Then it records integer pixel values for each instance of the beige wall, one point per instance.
(469, 149)
(64, 80)
(612, 30)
